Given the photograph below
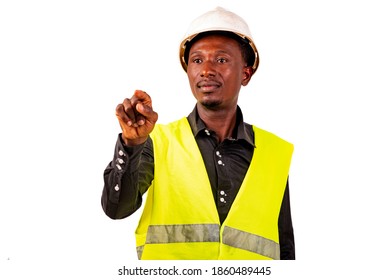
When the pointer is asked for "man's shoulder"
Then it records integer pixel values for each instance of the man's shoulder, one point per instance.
(262, 135)
(173, 124)
(172, 128)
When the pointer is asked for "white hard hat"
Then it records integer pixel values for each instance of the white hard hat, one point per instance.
(218, 19)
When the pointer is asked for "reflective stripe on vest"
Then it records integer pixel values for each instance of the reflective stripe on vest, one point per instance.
(183, 233)
(251, 242)
(159, 234)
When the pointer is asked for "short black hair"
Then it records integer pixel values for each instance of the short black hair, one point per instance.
(247, 51)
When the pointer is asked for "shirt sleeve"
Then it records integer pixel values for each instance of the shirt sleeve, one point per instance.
(285, 228)
(126, 178)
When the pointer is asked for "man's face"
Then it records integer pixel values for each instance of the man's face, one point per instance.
(216, 71)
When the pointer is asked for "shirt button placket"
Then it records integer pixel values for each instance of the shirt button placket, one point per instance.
(220, 162)
(222, 193)
(223, 196)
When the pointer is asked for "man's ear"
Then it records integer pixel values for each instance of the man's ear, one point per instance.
(247, 74)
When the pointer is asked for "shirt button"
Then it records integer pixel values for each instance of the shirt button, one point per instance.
(222, 193)
(223, 200)
(117, 188)
(121, 153)
(219, 162)
(120, 161)
(207, 132)
(218, 154)
(118, 167)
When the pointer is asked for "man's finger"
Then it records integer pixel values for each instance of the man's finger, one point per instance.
(142, 96)
(147, 112)
(121, 114)
(129, 108)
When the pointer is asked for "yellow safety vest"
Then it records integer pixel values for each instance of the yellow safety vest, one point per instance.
(180, 220)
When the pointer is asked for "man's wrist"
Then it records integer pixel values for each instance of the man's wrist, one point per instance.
(133, 142)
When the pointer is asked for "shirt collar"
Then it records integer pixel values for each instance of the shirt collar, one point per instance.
(243, 130)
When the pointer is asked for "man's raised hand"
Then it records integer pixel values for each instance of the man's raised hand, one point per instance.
(136, 118)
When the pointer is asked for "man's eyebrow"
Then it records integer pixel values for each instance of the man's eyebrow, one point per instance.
(217, 52)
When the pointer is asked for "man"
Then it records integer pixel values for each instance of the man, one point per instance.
(217, 187)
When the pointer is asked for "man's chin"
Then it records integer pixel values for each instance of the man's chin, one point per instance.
(210, 104)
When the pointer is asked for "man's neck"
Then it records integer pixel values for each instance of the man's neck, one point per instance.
(222, 122)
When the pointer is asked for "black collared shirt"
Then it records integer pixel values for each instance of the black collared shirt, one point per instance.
(130, 173)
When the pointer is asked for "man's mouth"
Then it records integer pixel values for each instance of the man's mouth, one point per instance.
(208, 86)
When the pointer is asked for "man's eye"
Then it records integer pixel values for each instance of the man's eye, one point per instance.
(196, 60)
(221, 60)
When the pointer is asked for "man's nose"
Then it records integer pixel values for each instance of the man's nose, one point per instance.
(208, 69)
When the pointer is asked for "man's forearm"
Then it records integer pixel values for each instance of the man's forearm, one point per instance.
(121, 195)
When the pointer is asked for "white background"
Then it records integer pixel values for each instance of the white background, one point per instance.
(64, 66)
